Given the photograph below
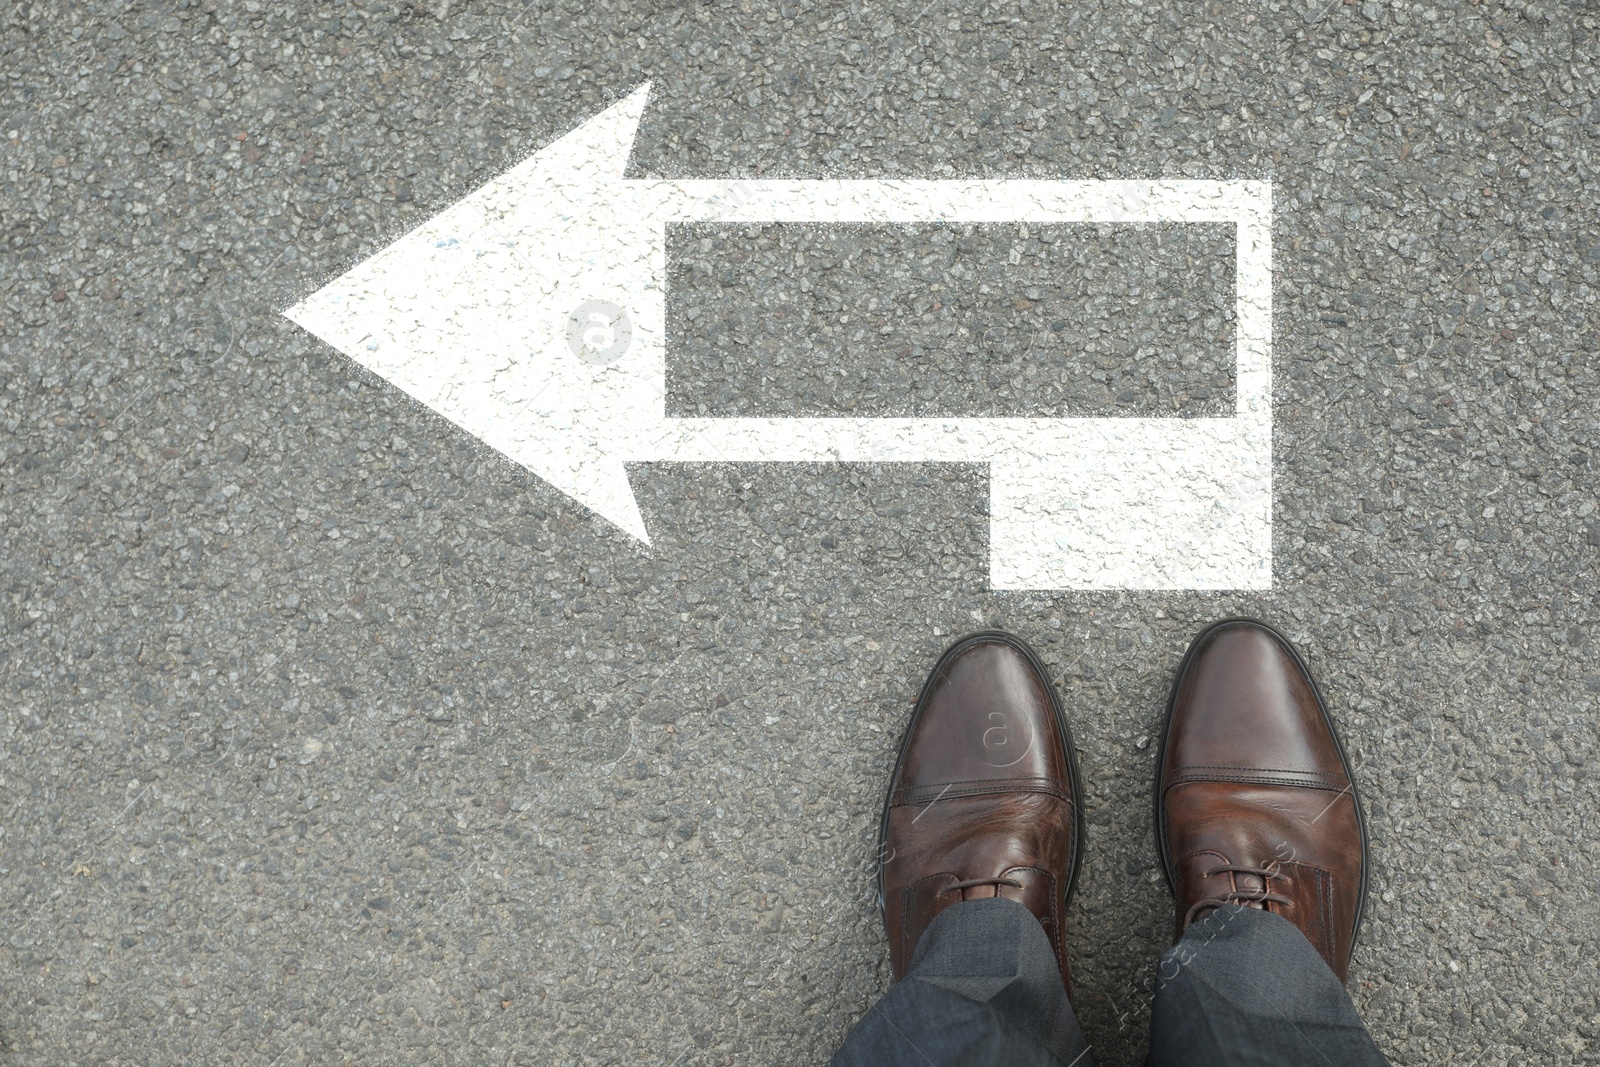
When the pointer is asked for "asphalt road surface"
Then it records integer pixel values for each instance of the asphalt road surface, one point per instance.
(332, 736)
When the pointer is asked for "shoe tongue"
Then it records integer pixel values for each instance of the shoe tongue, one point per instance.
(1034, 893)
(1020, 894)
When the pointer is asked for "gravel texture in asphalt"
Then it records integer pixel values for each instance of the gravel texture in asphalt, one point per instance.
(994, 320)
(327, 735)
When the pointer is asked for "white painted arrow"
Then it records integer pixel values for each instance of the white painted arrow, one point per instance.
(469, 314)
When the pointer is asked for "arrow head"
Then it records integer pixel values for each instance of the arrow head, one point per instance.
(517, 314)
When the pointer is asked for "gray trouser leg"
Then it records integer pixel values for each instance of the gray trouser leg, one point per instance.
(1245, 987)
(984, 989)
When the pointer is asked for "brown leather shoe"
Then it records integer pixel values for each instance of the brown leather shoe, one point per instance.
(985, 799)
(1254, 800)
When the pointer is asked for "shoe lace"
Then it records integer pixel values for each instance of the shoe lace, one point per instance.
(970, 882)
(1244, 897)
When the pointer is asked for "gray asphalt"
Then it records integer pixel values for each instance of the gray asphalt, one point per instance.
(330, 736)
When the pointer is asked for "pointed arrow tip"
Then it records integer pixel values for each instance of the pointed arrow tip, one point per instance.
(305, 312)
(625, 516)
(599, 484)
(641, 94)
(599, 148)
(295, 315)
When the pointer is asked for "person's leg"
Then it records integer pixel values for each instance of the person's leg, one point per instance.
(984, 988)
(1245, 987)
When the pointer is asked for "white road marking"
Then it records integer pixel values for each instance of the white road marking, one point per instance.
(470, 313)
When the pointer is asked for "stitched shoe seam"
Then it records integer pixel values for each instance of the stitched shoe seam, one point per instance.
(1188, 779)
(1266, 770)
(976, 781)
(920, 796)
